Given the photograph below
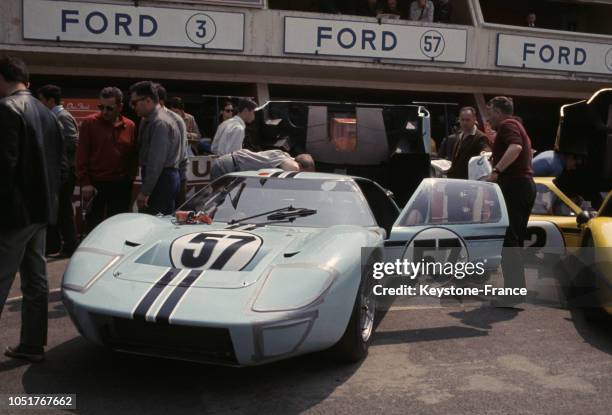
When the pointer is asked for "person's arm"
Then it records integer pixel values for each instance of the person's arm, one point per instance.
(289, 164)
(234, 138)
(82, 155)
(430, 11)
(9, 151)
(158, 150)
(71, 135)
(195, 134)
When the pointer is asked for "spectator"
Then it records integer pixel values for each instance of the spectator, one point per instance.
(160, 153)
(470, 143)
(227, 111)
(448, 143)
(422, 11)
(32, 163)
(184, 149)
(553, 163)
(514, 175)
(531, 19)
(391, 10)
(230, 134)
(106, 158)
(244, 160)
(193, 132)
(371, 8)
(51, 97)
(443, 10)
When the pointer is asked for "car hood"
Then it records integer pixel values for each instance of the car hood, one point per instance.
(213, 256)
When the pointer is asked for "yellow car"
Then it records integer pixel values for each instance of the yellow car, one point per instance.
(555, 220)
(598, 234)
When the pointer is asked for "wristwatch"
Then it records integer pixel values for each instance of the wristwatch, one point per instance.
(496, 170)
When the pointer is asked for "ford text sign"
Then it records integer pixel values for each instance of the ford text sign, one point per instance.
(153, 26)
(372, 40)
(553, 54)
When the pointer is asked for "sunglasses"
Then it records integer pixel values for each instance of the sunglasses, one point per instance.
(228, 110)
(106, 108)
(136, 101)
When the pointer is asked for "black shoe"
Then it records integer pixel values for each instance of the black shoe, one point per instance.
(23, 351)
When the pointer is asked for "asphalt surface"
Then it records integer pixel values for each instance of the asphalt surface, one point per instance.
(425, 359)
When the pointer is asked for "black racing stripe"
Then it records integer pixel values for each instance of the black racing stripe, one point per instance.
(163, 317)
(395, 243)
(292, 174)
(234, 226)
(276, 174)
(231, 250)
(480, 237)
(141, 310)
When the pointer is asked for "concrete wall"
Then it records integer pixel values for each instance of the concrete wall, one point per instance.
(263, 61)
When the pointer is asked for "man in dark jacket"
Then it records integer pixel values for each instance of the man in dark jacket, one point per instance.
(51, 96)
(32, 163)
(470, 142)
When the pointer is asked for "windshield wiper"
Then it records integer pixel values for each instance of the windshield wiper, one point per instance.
(288, 212)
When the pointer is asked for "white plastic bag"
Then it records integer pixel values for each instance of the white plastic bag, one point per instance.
(479, 167)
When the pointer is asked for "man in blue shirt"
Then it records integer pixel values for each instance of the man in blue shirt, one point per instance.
(552, 163)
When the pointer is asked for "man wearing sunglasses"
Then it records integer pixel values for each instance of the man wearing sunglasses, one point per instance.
(106, 158)
(161, 150)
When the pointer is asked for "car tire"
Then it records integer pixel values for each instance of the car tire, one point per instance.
(584, 287)
(354, 344)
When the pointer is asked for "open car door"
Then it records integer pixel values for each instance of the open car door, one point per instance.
(467, 218)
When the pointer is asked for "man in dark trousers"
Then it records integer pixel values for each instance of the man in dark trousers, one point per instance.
(470, 142)
(514, 174)
(106, 158)
(160, 150)
(32, 163)
(51, 96)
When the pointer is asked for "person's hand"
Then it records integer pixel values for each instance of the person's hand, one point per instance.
(88, 191)
(142, 201)
(492, 177)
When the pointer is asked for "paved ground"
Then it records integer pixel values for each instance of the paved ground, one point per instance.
(424, 360)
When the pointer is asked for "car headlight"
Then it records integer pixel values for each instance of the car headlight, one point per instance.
(293, 286)
(86, 266)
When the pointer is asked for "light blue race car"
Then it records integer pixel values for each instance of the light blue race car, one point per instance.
(270, 268)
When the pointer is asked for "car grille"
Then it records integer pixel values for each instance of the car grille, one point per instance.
(204, 344)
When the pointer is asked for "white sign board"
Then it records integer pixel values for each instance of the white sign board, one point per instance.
(129, 25)
(372, 40)
(553, 54)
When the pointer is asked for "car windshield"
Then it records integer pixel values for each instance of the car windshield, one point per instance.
(232, 198)
(444, 202)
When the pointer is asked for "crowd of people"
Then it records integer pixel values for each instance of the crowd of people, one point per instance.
(415, 10)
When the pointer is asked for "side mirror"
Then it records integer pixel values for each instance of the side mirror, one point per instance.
(583, 217)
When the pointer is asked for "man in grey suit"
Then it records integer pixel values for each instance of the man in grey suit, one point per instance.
(51, 96)
(32, 164)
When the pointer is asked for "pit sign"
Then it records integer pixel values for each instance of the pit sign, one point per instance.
(373, 40)
(553, 54)
(116, 24)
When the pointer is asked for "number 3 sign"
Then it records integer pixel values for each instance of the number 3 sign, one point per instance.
(201, 29)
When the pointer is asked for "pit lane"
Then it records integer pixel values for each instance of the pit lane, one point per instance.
(425, 358)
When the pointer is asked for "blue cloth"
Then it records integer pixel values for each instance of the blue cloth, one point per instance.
(548, 164)
(164, 193)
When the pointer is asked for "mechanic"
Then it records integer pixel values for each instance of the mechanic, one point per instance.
(32, 166)
(51, 96)
(243, 160)
(230, 134)
(513, 173)
(160, 152)
(106, 158)
(552, 163)
(471, 141)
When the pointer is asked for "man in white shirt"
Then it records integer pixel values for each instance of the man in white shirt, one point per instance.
(243, 160)
(230, 134)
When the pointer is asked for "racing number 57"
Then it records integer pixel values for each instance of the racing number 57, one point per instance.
(431, 43)
(197, 256)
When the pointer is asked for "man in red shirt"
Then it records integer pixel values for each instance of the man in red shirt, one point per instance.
(106, 158)
(514, 175)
